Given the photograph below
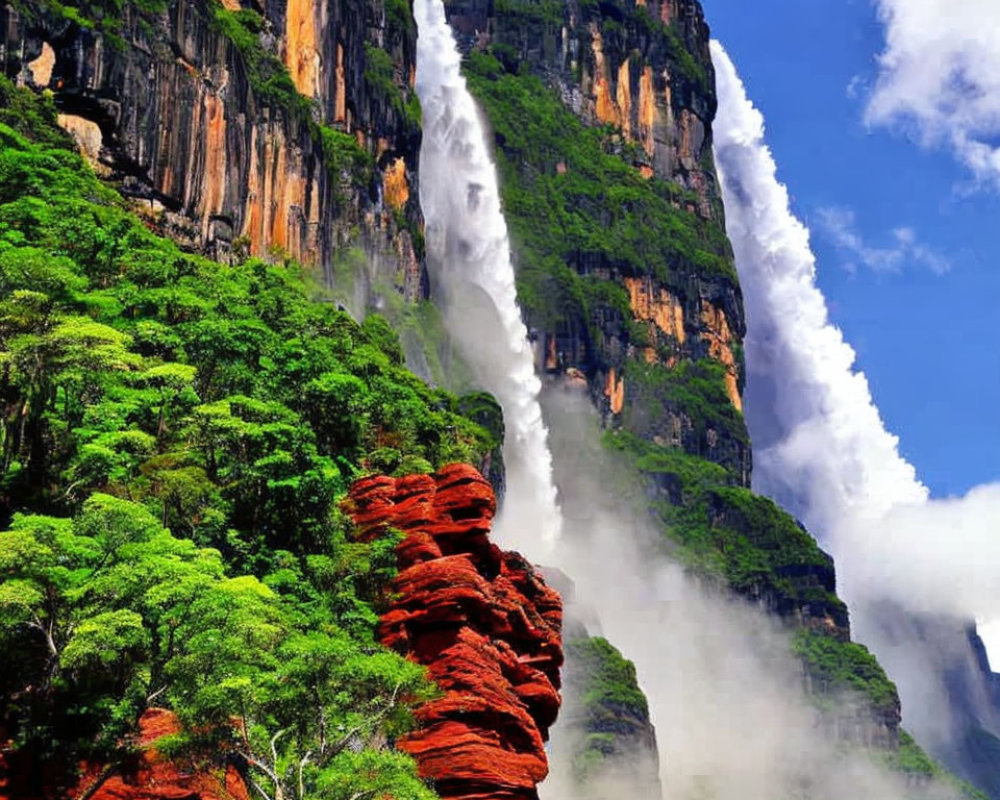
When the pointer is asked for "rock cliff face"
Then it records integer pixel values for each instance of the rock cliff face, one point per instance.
(602, 114)
(481, 620)
(666, 294)
(612, 741)
(275, 128)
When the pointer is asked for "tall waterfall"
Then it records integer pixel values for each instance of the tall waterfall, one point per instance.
(469, 258)
(722, 686)
(822, 451)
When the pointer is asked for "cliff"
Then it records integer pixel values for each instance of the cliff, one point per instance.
(481, 620)
(210, 414)
(272, 129)
(612, 742)
(602, 115)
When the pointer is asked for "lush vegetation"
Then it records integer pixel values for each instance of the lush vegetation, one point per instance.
(838, 668)
(265, 71)
(176, 437)
(727, 531)
(379, 74)
(574, 200)
(614, 713)
(694, 389)
(105, 16)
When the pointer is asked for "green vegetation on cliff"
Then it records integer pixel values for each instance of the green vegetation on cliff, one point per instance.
(574, 200)
(265, 71)
(614, 716)
(727, 531)
(836, 667)
(176, 436)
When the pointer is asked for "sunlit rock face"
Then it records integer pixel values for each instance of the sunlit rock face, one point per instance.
(219, 149)
(483, 622)
(642, 71)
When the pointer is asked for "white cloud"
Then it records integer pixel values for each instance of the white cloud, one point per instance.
(939, 78)
(821, 448)
(840, 226)
(942, 556)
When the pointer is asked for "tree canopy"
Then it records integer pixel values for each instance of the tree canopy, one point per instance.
(176, 435)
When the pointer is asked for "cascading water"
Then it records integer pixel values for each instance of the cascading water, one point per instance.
(718, 677)
(822, 450)
(469, 257)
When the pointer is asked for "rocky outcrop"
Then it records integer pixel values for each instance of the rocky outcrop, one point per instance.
(608, 736)
(153, 777)
(147, 775)
(275, 129)
(482, 621)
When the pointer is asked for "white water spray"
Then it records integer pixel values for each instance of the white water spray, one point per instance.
(822, 450)
(469, 255)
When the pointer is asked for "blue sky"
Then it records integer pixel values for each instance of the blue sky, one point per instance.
(903, 212)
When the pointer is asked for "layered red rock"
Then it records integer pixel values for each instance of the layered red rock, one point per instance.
(146, 776)
(483, 622)
(154, 777)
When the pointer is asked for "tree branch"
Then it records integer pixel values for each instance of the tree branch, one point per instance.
(99, 781)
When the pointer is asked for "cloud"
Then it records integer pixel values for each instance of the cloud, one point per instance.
(942, 556)
(840, 226)
(939, 78)
(821, 448)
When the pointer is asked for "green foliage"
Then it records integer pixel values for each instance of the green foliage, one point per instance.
(343, 156)
(265, 71)
(726, 531)
(105, 613)
(29, 115)
(610, 688)
(909, 759)
(681, 59)
(694, 389)
(836, 666)
(533, 12)
(380, 77)
(613, 708)
(104, 16)
(912, 762)
(572, 199)
(400, 17)
(176, 437)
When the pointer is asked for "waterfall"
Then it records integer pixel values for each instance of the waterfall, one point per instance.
(822, 451)
(820, 446)
(723, 689)
(472, 274)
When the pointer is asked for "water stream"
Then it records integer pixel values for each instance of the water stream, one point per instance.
(473, 279)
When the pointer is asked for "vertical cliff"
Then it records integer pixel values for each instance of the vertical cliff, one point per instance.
(611, 742)
(602, 115)
(275, 129)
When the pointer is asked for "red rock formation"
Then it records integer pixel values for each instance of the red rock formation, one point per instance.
(481, 620)
(149, 776)
(153, 777)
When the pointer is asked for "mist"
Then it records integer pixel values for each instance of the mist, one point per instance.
(726, 696)
(822, 451)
